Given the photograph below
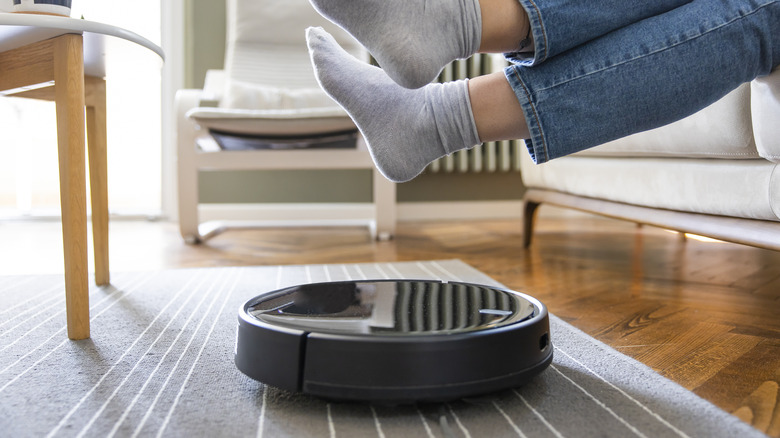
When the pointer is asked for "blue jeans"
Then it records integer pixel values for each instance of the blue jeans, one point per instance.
(604, 69)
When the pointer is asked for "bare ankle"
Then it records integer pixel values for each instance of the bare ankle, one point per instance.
(505, 25)
(497, 112)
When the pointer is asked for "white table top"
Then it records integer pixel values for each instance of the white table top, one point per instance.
(17, 30)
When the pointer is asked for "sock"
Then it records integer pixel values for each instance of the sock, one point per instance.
(412, 40)
(405, 129)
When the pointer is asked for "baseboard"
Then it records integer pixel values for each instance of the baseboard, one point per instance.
(284, 214)
(313, 214)
(459, 210)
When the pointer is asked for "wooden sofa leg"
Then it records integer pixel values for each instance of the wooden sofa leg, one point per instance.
(529, 216)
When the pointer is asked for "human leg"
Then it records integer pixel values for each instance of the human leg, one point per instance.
(497, 112)
(405, 129)
(504, 26)
(636, 78)
(561, 25)
(412, 40)
(645, 75)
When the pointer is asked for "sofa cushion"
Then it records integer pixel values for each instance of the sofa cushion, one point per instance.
(738, 188)
(722, 130)
(765, 93)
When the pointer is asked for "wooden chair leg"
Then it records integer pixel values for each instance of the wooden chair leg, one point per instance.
(188, 198)
(529, 216)
(69, 98)
(98, 174)
(186, 167)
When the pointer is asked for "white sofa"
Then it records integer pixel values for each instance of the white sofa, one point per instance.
(715, 173)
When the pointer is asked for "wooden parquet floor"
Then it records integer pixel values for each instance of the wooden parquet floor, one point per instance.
(704, 314)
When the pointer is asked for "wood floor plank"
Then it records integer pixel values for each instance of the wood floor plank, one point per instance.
(738, 379)
(761, 407)
(698, 363)
(681, 339)
(769, 289)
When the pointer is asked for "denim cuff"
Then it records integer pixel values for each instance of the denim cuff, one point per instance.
(536, 144)
(561, 25)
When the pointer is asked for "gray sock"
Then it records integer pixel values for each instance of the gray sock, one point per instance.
(405, 129)
(412, 40)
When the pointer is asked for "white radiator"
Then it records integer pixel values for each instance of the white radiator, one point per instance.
(494, 156)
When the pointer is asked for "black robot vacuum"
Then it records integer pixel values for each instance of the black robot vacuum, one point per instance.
(393, 341)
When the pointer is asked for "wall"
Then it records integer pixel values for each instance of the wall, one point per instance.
(205, 46)
(204, 27)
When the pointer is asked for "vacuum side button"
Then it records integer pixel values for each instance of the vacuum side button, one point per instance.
(495, 312)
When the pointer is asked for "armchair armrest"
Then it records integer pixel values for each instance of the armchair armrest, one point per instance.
(765, 102)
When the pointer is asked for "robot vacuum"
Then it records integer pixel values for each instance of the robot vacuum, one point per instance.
(393, 341)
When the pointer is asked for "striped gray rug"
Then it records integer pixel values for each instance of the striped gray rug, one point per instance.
(160, 363)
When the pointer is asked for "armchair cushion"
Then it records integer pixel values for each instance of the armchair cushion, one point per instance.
(248, 95)
(268, 86)
(302, 121)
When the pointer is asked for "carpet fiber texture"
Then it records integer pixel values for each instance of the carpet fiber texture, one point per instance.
(160, 363)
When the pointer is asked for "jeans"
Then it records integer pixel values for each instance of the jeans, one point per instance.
(604, 69)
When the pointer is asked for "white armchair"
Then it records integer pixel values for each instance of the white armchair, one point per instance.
(268, 90)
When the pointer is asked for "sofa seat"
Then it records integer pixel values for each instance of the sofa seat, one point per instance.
(739, 188)
(714, 173)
